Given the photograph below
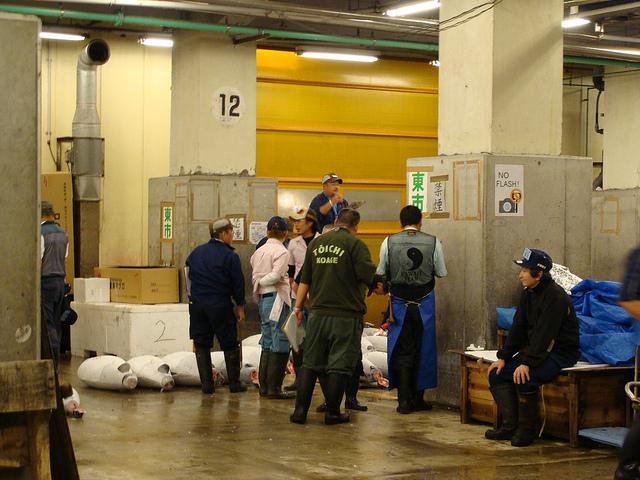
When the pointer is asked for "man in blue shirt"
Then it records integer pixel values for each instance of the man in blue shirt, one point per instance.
(54, 248)
(328, 204)
(629, 466)
(216, 278)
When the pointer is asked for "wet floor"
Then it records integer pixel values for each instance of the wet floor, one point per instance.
(182, 434)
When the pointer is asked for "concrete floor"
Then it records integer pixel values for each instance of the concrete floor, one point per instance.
(182, 434)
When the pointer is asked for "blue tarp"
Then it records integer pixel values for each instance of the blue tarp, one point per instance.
(505, 317)
(608, 334)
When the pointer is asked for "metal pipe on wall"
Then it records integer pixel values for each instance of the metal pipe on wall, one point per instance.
(121, 19)
(279, 11)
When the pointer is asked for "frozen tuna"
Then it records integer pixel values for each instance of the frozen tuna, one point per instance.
(152, 372)
(375, 368)
(184, 368)
(379, 343)
(107, 372)
(366, 345)
(252, 341)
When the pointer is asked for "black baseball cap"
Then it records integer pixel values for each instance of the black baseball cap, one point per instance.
(277, 223)
(535, 259)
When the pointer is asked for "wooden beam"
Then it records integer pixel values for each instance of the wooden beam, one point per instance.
(27, 386)
(38, 428)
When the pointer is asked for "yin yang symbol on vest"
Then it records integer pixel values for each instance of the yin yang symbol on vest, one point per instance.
(415, 259)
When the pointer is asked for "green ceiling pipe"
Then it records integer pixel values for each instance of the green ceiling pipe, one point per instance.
(119, 19)
(600, 61)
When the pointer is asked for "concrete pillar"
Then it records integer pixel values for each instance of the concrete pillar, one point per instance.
(500, 117)
(213, 98)
(501, 79)
(20, 194)
(621, 160)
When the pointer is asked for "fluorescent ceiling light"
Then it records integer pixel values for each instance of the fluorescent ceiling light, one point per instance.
(62, 36)
(345, 57)
(413, 8)
(157, 42)
(573, 22)
(621, 51)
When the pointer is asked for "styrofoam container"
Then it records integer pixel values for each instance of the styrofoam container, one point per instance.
(130, 330)
(92, 290)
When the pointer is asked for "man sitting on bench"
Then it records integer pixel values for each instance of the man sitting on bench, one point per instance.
(542, 341)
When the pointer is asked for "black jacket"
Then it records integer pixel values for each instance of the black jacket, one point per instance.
(545, 323)
(215, 274)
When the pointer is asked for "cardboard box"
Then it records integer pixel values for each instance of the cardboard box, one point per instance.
(92, 290)
(57, 188)
(148, 285)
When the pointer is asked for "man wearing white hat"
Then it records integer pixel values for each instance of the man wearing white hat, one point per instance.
(329, 202)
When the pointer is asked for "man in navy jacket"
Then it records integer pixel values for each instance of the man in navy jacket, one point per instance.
(216, 279)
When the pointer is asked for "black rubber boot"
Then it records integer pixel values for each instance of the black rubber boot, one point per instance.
(628, 471)
(262, 372)
(507, 400)
(296, 359)
(404, 382)
(419, 405)
(306, 385)
(527, 430)
(232, 359)
(276, 372)
(203, 359)
(336, 384)
(322, 378)
(351, 394)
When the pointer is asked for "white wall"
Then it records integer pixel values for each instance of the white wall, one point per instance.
(621, 138)
(134, 98)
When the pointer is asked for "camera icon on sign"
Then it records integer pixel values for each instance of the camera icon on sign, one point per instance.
(507, 206)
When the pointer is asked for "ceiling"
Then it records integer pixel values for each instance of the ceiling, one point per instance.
(361, 22)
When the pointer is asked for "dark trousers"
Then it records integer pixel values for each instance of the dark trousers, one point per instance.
(544, 373)
(51, 296)
(406, 354)
(630, 452)
(205, 321)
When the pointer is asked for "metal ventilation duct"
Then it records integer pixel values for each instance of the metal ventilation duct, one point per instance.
(87, 154)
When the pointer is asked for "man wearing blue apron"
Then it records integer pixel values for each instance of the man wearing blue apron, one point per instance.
(410, 261)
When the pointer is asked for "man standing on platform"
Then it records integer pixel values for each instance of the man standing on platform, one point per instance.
(337, 271)
(629, 466)
(543, 340)
(327, 205)
(216, 278)
(409, 263)
(54, 248)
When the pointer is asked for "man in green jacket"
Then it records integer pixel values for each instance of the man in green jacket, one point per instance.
(337, 272)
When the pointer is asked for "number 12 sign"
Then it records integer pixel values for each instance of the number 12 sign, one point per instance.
(227, 105)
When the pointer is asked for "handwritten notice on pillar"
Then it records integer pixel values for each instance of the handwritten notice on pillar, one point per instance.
(438, 197)
(509, 187)
(417, 189)
(257, 231)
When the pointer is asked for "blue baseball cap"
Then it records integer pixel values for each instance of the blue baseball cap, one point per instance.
(277, 223)
(536, 259)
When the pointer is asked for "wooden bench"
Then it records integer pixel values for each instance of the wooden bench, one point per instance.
(584, 397)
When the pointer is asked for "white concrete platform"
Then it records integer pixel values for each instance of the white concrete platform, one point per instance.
(128, 330)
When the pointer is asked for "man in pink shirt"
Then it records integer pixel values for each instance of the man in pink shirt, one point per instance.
(273, 293)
